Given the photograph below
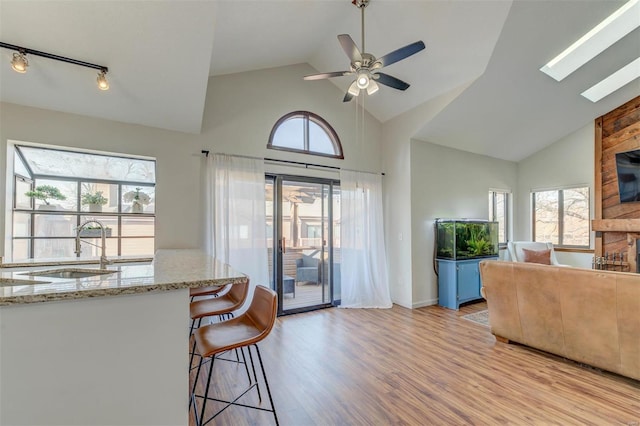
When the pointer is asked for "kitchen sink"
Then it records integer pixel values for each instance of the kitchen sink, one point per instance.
(8, 282)
(70, 273)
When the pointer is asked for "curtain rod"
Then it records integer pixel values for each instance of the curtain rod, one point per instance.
(297, 163)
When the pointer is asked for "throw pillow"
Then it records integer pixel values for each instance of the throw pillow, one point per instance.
(537, 256)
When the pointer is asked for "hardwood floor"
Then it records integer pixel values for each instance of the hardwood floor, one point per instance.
(424, 366)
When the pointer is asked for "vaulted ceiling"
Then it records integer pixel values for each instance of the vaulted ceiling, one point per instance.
(161, 54)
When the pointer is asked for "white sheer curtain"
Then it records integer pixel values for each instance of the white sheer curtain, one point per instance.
(235, 225)
(364, 279)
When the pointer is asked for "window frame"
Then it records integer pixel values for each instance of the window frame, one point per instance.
(493, 194)
(560, 217)
(78, 213)
(307, 116)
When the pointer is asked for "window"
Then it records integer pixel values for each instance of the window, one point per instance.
(499, 211)
(561, 216)
(55, 191)
(306, 132)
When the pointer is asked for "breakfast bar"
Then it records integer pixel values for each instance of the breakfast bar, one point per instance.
(80, 348)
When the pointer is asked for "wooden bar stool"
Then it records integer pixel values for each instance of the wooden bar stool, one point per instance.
(244, 331)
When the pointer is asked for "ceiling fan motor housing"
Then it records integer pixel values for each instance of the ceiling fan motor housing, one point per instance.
(367, 61)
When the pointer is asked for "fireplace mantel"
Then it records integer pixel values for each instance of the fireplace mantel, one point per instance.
(615, 225)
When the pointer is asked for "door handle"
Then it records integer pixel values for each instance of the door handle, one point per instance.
(284, 245)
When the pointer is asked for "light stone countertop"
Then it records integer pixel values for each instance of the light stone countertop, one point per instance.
(170, 270)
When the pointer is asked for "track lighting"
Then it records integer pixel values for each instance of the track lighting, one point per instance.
(19, 63)
(103, 84)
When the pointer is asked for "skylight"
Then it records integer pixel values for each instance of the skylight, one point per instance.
(623, 76)
(602, 36)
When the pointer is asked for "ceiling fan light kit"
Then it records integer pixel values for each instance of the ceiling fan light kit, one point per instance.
(365, 66)
(19, 63)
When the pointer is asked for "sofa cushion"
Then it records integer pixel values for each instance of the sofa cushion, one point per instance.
(537, 256)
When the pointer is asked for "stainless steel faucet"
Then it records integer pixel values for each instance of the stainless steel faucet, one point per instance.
(103, 234)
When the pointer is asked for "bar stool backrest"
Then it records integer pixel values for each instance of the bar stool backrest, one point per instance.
(238, 293)
(263, 310)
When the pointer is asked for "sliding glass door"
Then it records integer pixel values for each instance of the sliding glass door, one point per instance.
(303, 231)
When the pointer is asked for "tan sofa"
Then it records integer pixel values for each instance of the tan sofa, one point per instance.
(590, 316)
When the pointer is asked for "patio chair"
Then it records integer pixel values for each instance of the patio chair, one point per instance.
(307, 269)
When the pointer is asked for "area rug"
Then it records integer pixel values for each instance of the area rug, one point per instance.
(481, 317)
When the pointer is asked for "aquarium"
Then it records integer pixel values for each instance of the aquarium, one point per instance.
(459, 239)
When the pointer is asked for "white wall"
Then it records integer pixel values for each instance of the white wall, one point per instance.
(447, 183)
(242, 108)
(240, 111)
(397, 134)
(569, 161)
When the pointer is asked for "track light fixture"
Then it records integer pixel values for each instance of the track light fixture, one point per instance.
(19, 63)
(103, 84)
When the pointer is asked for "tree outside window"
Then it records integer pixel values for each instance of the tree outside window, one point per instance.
(561, 216)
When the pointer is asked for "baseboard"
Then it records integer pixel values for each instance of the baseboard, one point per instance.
(417, 304)
(424, 303)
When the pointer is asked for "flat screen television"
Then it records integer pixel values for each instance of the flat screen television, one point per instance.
(628, 170)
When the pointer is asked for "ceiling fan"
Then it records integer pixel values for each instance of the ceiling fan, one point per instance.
(365, 66)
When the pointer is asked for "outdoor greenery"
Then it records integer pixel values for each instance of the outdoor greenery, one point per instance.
(46, 192)
(94, 198)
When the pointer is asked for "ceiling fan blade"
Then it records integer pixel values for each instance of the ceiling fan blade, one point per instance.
(390, 81)
(353, 90)
(399, 54)
(327, 75)
(350, 48)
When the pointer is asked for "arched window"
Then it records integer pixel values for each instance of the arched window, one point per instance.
(303, 131)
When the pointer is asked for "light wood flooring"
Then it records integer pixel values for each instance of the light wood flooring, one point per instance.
(424, 366)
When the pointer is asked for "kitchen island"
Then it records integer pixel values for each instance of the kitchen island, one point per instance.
(109, 349)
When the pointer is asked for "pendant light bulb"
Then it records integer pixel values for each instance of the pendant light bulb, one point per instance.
(19, 63)
(363, 80)
(103, 84)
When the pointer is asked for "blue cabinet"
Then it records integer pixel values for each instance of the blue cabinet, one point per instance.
(458, 282)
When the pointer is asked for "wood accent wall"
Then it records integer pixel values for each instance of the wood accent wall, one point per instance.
(617, 131)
